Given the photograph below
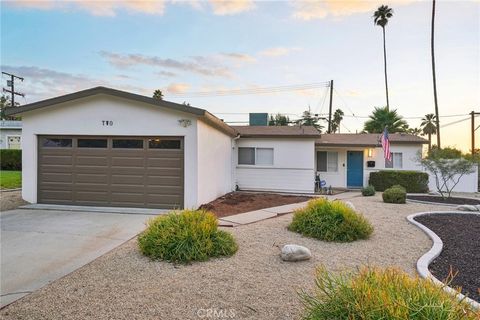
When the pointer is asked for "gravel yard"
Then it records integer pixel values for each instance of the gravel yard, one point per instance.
(253, 284)
(10, 200)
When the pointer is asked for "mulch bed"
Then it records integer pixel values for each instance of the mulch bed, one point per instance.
(239, 202)
(438, 199)
(460, 234)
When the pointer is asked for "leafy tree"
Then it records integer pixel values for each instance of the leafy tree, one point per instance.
(414, 131)
(429, 127)
(186, 104)
(382, 117)
(337, 118)
(432, 46)
(309, 119)
(380, 18)
(4, 104)
(278, 120)
(448, 167)
(157, 94)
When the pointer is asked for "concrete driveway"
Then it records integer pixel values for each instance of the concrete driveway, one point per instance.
(40, 246)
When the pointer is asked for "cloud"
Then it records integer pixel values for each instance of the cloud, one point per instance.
(230, 7)
(166, 74)
(42, 83)
(278, 51)
(110, 8)
(239, 57)
(200, 65)
(309, 9)
(176, 88)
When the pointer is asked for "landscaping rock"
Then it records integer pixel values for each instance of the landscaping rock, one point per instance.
(349, 204)
(294, 252)
(467, 207)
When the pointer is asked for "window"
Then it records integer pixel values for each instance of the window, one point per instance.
(255, 156)
(157, 143)
(327, 161)
(92, 143)
(128, 143)
(57, 143)
(396, 162)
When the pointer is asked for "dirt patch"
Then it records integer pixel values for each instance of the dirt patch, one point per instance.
(460, 234)
(239, 202)
(10, 200)
(438, 199)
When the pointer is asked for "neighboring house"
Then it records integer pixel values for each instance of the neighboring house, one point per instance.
(10, 134)
(107, 147)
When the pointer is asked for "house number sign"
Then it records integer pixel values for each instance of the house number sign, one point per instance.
(107, 123)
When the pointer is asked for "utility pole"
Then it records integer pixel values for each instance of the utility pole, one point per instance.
(11, 84)
(473, 113)
(330, 108)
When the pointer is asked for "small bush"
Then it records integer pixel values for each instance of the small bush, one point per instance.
(395, 194)
(412, 181)
(330, 221)
(375, 293)
(368, 191)
(11, 159)
(189, 235)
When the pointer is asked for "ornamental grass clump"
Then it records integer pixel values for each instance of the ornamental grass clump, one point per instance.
(185, 236)
(375, 293)
(330, 221)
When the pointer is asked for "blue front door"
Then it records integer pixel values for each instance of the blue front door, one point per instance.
(354, 169)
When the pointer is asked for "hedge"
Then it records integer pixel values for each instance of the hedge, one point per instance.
(412, 181)
(11, 159)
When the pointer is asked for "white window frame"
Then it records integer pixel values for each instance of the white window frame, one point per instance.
(255, 160)
(326, 165)
(13, 136)
(395, 165)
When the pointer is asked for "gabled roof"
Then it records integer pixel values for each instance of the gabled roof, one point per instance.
(277, 131)
(366, 139)
(202, 114)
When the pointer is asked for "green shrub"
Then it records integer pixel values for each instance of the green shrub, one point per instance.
(412, 181)
(395, 194)
(189, 235)
(368, 191)
(375, 293)
(330, 221)
(11, 159)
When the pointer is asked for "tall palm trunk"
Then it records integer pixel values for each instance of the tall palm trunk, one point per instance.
(437, 120)
(385, 66)
(429, 142)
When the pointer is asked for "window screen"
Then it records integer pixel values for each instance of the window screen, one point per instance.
(327, 161)
(92, 143)
(57, 143)
(128, 143)
(397, 160)
(264, 157)
(322, 161)
(246, 156)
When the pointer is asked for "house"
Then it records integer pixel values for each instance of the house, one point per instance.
(10, 134)
(106, 147)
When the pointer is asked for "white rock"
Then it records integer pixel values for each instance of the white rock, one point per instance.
(349, 204)
(294, 252)
(467, 207)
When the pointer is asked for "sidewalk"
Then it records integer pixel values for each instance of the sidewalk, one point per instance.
(267, 213)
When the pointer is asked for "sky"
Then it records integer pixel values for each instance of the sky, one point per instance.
(189, 47)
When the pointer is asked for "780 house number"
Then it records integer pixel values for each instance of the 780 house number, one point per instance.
(108, 123)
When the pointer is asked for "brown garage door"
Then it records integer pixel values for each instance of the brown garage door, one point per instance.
(111, 171)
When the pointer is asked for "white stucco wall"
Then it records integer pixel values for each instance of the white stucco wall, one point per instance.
(292, 170)
(467, 183)
(339, 179)
(85, 116)
(214, 163)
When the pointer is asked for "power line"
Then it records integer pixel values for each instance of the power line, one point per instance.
(454, 122)
(248, 91)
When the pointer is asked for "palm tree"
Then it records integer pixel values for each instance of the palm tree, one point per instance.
(437, 116)
(429, 127)
(383, 117)
(337, 118)
(157, 94)
(380, 18)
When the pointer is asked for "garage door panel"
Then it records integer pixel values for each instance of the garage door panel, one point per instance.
(109, 176)
(127, 179)
(164, 181)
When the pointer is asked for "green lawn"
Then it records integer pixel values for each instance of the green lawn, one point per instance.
(10, 179)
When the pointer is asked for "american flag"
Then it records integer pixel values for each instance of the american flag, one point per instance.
(386, 145)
